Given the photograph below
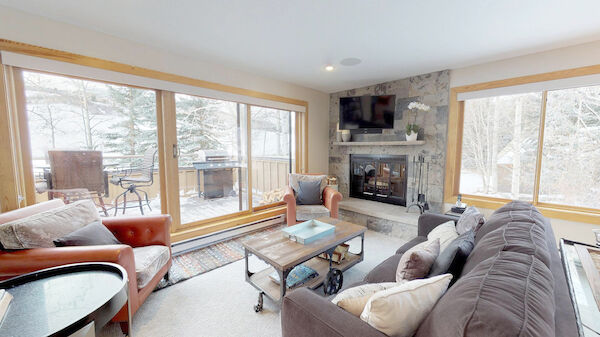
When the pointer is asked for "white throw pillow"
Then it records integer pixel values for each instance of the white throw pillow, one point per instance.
(41, 229)
(354, 299)
(446, 232)
(400, 310)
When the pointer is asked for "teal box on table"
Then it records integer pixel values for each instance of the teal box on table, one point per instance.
(308, 231)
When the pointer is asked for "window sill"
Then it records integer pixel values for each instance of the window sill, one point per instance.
(548, 210)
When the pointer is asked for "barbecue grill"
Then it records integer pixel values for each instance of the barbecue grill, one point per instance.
(218, 170)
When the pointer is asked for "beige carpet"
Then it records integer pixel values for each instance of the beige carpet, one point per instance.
(220, 302)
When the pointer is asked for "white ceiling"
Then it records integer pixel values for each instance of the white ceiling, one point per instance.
(293, 40)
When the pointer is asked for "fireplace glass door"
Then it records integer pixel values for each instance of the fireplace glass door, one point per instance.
(380, 178)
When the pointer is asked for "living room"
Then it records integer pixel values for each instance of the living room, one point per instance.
(299, 169)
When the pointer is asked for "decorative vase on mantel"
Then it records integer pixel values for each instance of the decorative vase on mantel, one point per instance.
(346, 135)
(412, 136)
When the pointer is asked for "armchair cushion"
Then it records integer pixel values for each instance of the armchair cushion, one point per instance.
(309, 193)
(310, 212)
(41, 229)
(295, 178)
(93, 234)
(148, 261)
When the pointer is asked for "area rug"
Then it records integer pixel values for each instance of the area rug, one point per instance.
(205, 259)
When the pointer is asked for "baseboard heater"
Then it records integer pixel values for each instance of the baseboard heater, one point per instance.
(199, 242)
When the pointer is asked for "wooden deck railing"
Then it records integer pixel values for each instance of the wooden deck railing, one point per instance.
(268, 174)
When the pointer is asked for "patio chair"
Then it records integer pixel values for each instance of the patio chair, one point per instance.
(132, 179)
(76, 175)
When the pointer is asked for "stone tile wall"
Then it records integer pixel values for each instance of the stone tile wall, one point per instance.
(431, 89)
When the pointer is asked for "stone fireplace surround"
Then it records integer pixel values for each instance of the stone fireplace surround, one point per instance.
(431, 89)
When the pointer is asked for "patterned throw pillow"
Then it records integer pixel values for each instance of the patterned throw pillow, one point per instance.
(417, 261)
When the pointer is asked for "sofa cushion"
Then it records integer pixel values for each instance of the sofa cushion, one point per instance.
(508, 294)
(470, 219)
(446, 232)
(453, 258)
(354, 299)
(310, 212)
(92, 234)
(398, 311)
(385, 271)
(417, 261)
(309, 193)
(415, 241)
(295, 178)
(522, 237)
(148, 261)
(515, 211)
(41, 229)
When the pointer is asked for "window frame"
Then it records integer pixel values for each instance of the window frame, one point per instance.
(18, 180)
(455, 141)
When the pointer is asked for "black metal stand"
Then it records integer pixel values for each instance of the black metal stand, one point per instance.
(420, 188)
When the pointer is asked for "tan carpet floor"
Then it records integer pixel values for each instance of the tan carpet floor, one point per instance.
(220, 302)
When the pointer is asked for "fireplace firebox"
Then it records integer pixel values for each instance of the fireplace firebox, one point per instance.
(379, 178)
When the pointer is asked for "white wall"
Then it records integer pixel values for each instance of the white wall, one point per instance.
(558, 59)
(19, 26)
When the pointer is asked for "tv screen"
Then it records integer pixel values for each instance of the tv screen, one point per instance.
(367, 112)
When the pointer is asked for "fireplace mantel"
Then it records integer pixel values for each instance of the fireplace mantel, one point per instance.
(382, 143)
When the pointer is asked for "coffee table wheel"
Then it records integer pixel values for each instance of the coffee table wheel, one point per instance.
(333, 281)
(259, 306)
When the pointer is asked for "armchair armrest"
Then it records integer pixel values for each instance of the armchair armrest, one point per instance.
(141, 231)
(428, 221)
(331, 200)
(290, 201)
(306, 314)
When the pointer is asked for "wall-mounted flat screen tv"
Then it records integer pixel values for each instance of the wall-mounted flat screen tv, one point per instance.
(367, 112)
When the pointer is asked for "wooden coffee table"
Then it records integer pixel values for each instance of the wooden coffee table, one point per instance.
(283, 254)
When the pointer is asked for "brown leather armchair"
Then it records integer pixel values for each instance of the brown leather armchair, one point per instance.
(131, 231)
(331, 200)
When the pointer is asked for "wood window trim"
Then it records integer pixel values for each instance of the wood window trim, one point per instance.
(454, 148)
(165, 102)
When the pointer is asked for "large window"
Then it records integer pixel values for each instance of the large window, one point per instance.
(570, 172)
(137, 141)
(500, 145)
(93, 140)
(505, 154)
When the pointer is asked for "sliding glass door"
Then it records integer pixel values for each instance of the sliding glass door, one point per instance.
(138, 151)
(273, 158)
(93, 140)
(212, 158)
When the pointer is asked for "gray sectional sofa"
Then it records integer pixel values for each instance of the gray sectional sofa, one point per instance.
(512, 284)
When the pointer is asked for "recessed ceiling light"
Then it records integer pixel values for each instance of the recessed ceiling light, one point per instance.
(350, 61)
(329, 67)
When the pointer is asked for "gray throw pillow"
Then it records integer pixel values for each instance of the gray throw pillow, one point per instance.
(309, 193)
(453, 258)
(92, 234)
(471, 219)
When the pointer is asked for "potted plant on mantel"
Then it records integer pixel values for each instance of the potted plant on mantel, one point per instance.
(412, 130)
